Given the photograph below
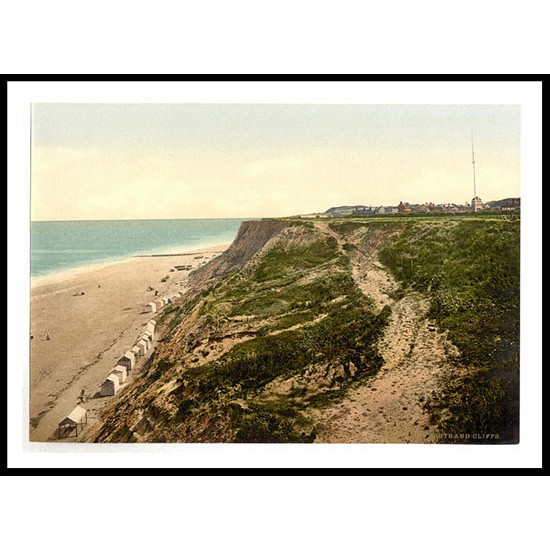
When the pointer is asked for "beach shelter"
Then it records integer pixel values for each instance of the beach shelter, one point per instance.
(159, 303)
(143, 346)
(127, 360)
(77, 419)
(121, 372)
(152, 307)
(110, 386)
(150, 327)
(149, 335)
(137, 352)
(152, 322)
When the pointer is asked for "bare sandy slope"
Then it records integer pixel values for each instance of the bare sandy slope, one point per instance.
(88, 333)
(390, 407)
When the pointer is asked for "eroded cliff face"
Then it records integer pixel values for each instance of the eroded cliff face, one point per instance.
(251, 238)
(269, 331)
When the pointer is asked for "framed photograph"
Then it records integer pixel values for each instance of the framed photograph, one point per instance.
(274, 275)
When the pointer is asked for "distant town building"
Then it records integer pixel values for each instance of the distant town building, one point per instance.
(477, 203)
(403, 208)
(512, 204)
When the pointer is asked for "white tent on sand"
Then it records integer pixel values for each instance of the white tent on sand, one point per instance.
(77, 418)
(110, 386)
(121, 372)
(128, 360)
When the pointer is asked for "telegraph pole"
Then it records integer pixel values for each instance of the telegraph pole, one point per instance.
(474, 168)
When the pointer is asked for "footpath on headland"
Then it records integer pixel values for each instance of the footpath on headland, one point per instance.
(391, 407)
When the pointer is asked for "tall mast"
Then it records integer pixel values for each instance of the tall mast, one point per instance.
(474, 168)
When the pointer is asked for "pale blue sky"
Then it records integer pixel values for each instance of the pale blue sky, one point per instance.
(93, 161)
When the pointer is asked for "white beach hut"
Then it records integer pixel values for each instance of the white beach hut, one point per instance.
(152, 307)
(152, 322)
(159, 303)
(144, 338)
(150, 327)
(78, 418)
(128, 360)
(110, 386)
(143, 346)
(137, 352)
(149, 335)
(121, 372)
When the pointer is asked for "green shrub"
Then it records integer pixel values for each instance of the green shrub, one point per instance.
(266, 427)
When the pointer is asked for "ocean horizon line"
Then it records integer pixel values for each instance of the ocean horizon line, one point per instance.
(155, 219)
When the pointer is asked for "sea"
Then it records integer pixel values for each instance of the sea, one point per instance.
(57, 246)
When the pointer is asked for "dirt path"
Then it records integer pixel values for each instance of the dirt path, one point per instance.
(390, 407)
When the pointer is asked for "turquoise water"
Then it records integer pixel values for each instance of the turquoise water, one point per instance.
(61, 245)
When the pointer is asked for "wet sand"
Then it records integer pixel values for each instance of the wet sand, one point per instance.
(89, 332)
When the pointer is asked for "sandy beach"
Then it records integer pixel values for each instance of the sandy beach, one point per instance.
(84, 320)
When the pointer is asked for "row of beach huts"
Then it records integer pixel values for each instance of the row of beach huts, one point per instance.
(127, 362)
(78, 418)
(156, 305)
(74, 423)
